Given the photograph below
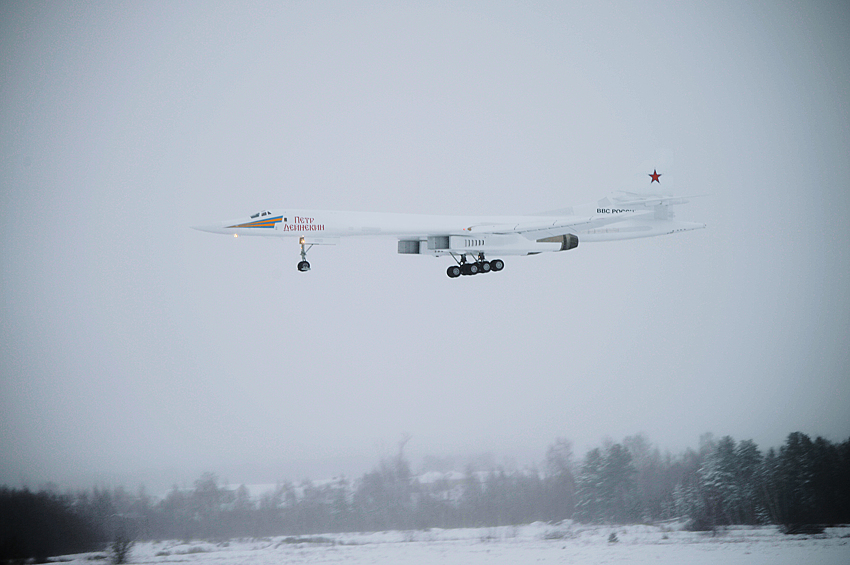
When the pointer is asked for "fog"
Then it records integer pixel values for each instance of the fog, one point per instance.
(134, 349)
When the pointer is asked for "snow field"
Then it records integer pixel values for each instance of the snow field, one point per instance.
(534, 543)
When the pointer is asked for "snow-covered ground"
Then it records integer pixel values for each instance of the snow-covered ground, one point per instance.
(565, 543)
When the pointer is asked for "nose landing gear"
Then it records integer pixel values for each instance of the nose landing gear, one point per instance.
(303, 265)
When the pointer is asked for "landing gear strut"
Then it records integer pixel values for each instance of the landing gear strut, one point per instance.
(303, 265)
(479, 266)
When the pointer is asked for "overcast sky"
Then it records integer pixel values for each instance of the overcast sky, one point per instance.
(134, 348)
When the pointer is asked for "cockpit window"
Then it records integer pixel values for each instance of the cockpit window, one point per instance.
(263, 213)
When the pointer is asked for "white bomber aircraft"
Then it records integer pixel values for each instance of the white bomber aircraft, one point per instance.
(469, 240)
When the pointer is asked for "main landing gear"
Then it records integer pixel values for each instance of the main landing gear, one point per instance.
(303, 265)
(479, 266)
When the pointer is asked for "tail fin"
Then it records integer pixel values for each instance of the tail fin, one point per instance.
(652, 191)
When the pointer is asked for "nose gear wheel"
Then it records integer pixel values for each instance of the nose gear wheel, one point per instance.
(303, 265)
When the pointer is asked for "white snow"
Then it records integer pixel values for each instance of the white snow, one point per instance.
(563, 543)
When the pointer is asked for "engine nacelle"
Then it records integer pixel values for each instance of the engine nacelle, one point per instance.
(490, 244)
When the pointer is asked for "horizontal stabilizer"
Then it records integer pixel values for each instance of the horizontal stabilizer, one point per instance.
(633, 199)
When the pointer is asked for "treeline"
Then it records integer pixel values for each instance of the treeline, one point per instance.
(723, 482)
(39, 525)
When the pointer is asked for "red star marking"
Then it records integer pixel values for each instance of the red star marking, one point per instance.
(655, 175)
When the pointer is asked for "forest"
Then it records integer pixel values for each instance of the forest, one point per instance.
(722, 482)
